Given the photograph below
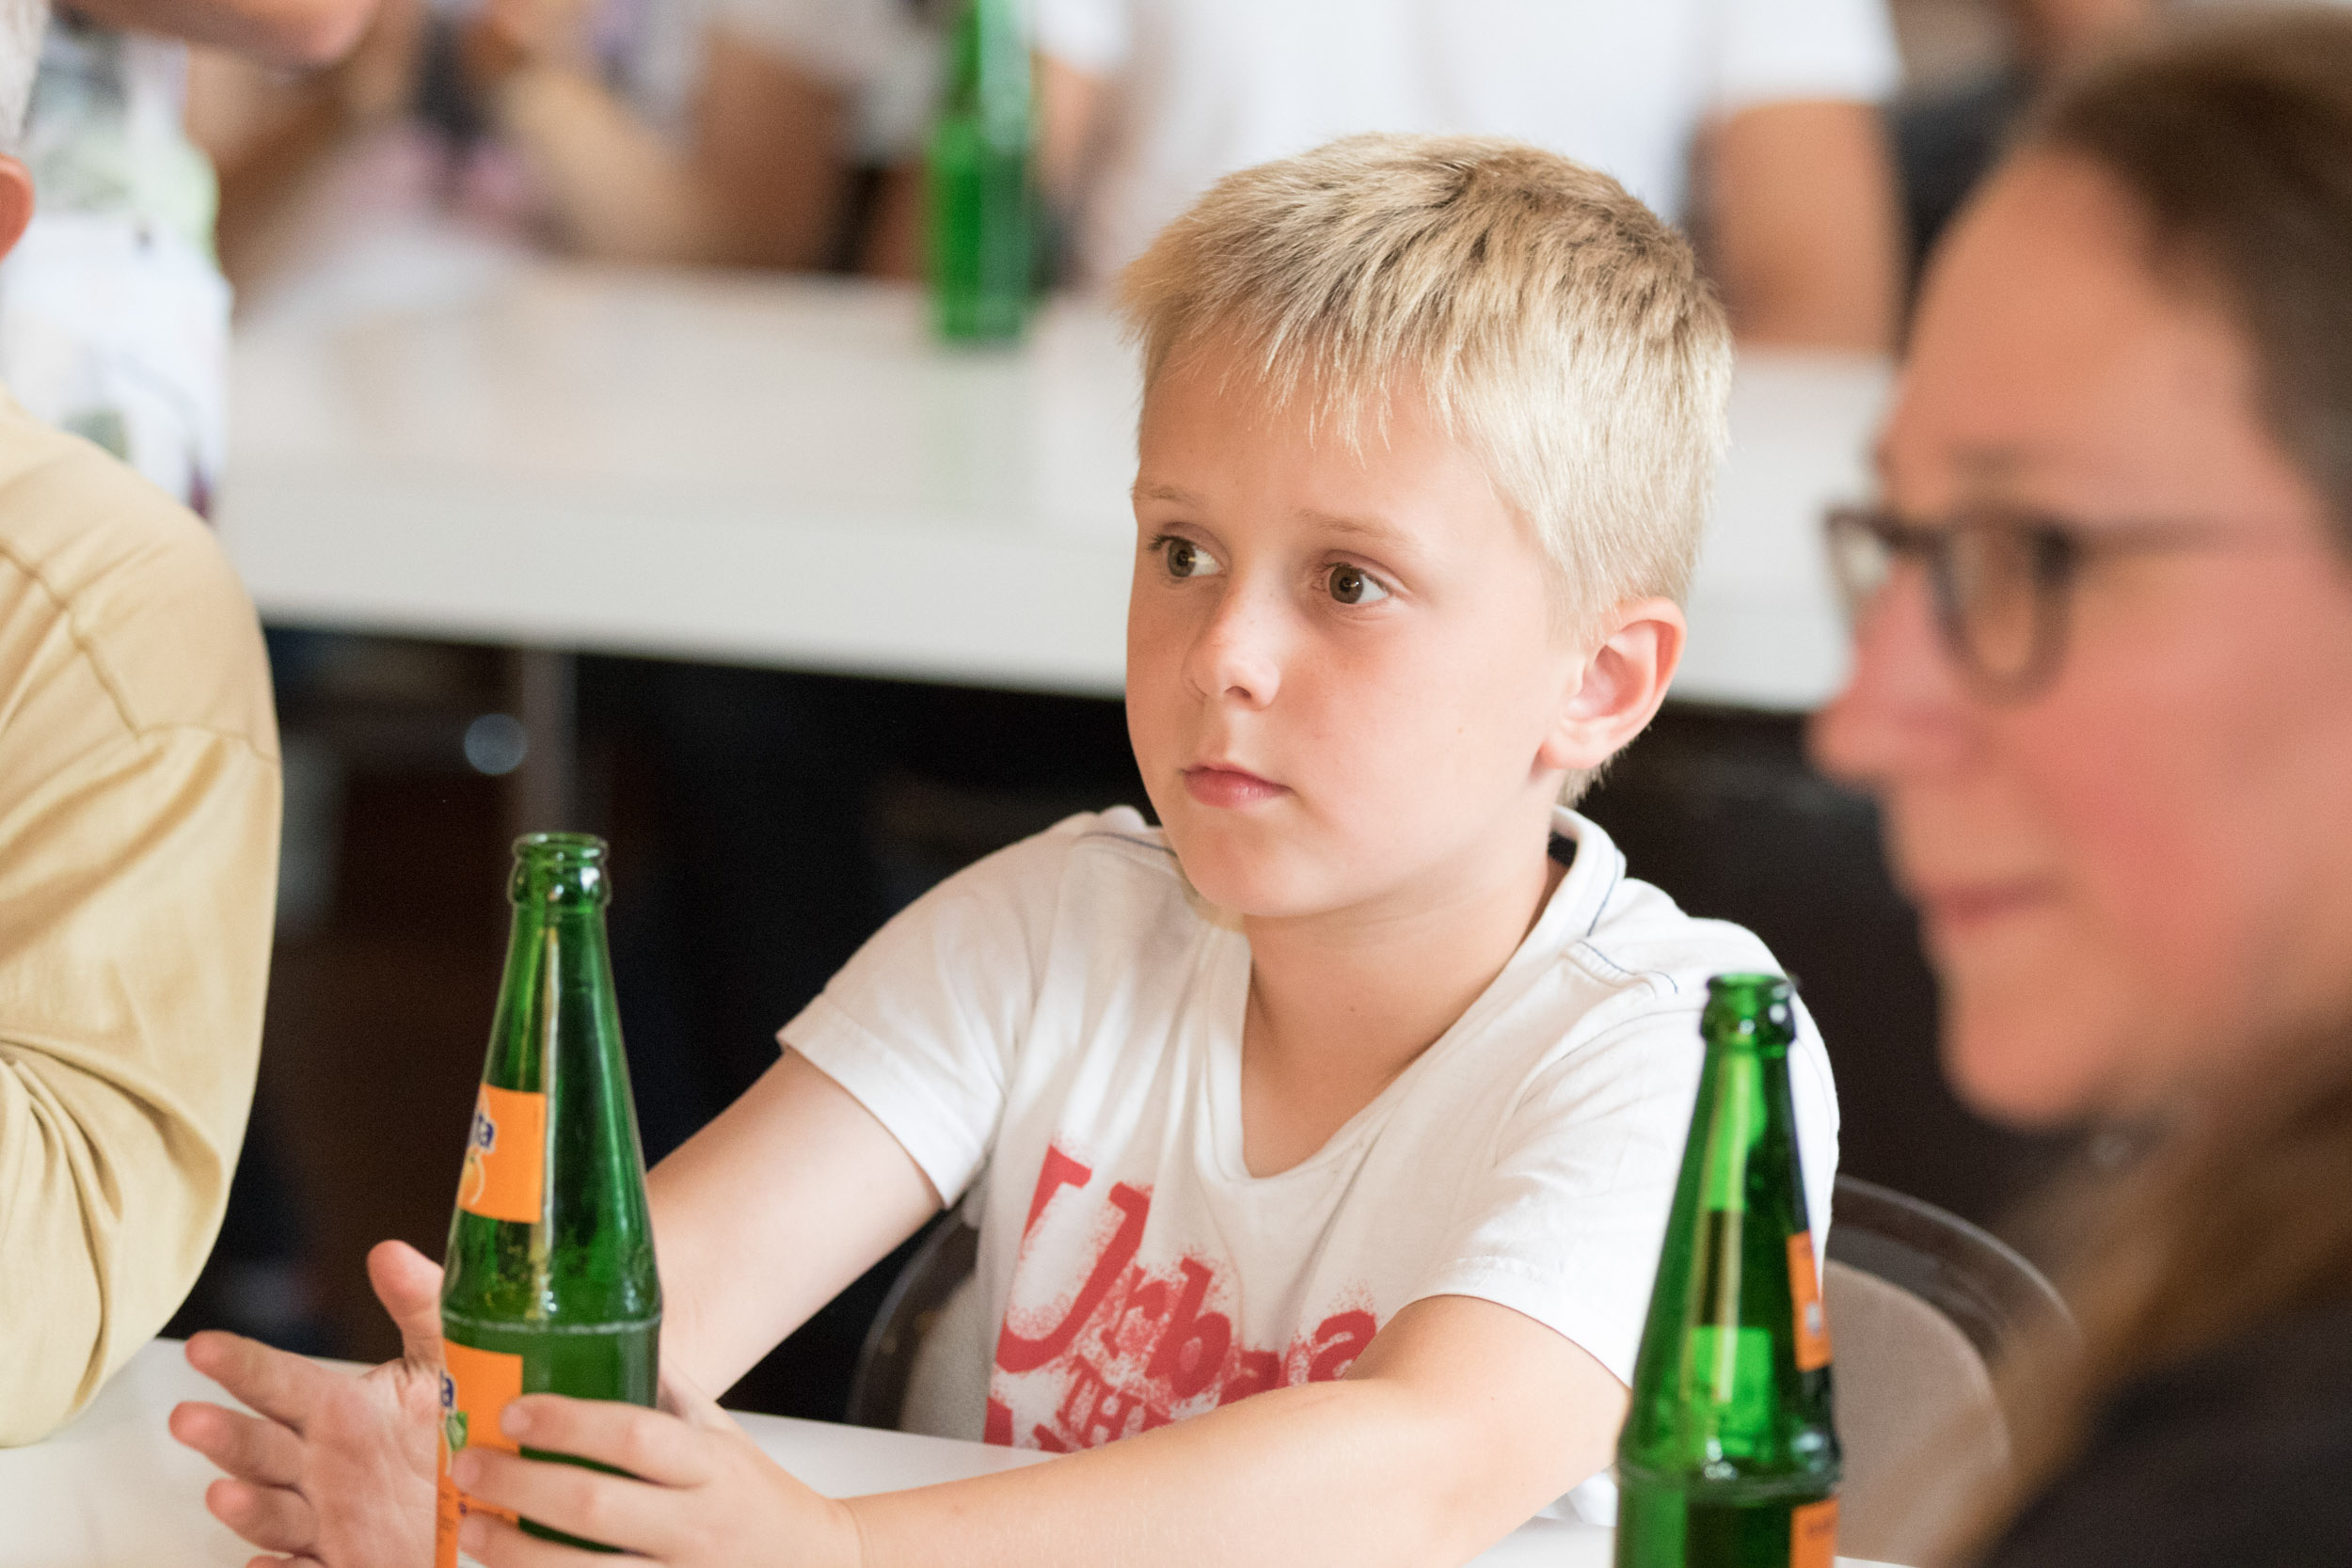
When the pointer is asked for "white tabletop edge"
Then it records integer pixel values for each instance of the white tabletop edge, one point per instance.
(112, 1490)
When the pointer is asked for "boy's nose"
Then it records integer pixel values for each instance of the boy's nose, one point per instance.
(1904, 712)
(1236, 656)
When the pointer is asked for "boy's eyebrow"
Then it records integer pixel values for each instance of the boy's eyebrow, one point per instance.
(1369, 528)
(1144, 492)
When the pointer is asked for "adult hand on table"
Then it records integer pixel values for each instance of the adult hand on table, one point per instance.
(698, 1492)
(336, 1471)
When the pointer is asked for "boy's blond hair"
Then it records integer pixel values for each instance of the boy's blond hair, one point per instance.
(1556, 327)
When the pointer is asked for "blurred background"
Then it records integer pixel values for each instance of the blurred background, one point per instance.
(593, 464)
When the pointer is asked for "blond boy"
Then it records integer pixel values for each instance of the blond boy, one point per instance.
(1320, 1139)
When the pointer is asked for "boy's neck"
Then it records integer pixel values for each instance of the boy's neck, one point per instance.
(1341, 1004)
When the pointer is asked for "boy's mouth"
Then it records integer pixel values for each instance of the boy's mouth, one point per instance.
(1228, 787)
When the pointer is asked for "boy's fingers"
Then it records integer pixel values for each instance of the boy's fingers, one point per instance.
(500, 1544)
(279, 1385)
(589, 1504)
(274, 1519)
(245, 1445)
(409, 1285)
(646, 1444)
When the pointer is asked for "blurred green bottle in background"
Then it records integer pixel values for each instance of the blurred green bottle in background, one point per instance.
(983, 216)
(551, 1285)
(1730, 1455)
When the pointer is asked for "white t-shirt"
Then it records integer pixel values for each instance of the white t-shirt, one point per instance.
(1057, 1031)
(1202, 87)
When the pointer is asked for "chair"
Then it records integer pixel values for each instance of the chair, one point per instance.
(903, 1382)
(1921, 1303)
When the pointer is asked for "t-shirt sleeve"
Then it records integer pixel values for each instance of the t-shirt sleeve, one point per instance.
(922, 1024)
(1092, 35)
(1566, 1225)
(1775, 51)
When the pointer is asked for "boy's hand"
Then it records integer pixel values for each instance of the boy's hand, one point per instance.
(698, 1494)
(337, 1472)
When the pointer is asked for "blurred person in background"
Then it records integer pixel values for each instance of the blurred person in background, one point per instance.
(681, 132)
(114, 320)
(139, 842)
(2103, 693)
(794, 115)
(1756, 125)
(1947, 137)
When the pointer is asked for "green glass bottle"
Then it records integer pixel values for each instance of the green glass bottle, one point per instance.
(1729, 1455)
(550, 1286)
(983, 219)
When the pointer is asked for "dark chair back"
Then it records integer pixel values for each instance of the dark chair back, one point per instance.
(885, 1364)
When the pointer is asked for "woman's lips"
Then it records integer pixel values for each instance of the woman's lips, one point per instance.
(1960, 912)
(1228, 787)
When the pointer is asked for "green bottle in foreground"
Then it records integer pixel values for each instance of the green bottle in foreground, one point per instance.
(982, 234)
(551, 1285)
(1730, 1455)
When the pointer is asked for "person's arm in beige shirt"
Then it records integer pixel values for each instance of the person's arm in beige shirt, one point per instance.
(138, 848)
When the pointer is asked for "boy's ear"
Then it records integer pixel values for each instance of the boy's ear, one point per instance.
(1621, 683)
(15, 201)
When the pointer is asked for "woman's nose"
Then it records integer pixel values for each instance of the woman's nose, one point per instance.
(1903, 710)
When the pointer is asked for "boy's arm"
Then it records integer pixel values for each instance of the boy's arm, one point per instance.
(1461, 1420)
(768, 1212)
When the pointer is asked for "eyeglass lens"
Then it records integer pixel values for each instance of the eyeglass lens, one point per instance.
(1997, 589)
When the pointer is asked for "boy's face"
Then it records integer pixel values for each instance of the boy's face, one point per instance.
(1344, 683)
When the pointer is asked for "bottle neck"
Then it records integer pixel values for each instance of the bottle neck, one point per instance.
(1734, 1094)
(988, 69)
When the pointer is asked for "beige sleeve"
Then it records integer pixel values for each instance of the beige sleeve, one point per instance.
(139, 851)
(134, 956)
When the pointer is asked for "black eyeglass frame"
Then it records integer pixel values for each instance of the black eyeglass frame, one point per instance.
(2056, 552)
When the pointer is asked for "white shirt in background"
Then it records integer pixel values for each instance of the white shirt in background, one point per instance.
(1202, 87)
(1057, 1031)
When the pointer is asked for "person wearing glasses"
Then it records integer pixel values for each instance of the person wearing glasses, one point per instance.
(2103, 691)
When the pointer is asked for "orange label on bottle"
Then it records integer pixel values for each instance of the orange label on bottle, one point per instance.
(1813, 1534)
(1805, 1286)
(476, 1385)
(506, 1156)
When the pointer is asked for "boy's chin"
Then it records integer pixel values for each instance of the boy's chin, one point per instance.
(1252, 883)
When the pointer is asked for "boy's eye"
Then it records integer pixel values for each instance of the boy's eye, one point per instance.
(1352, 585)
(1186, 558)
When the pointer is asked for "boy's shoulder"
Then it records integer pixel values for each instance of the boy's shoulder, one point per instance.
(1114, 848)
(1630, 936)
(144, 593)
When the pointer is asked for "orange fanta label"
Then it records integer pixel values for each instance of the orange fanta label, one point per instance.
(476, 1385)
(506, 1156)
(1813, 1535)
(1804, 1286)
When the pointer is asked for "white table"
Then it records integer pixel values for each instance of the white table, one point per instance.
(114, 1490)
(437, 437)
